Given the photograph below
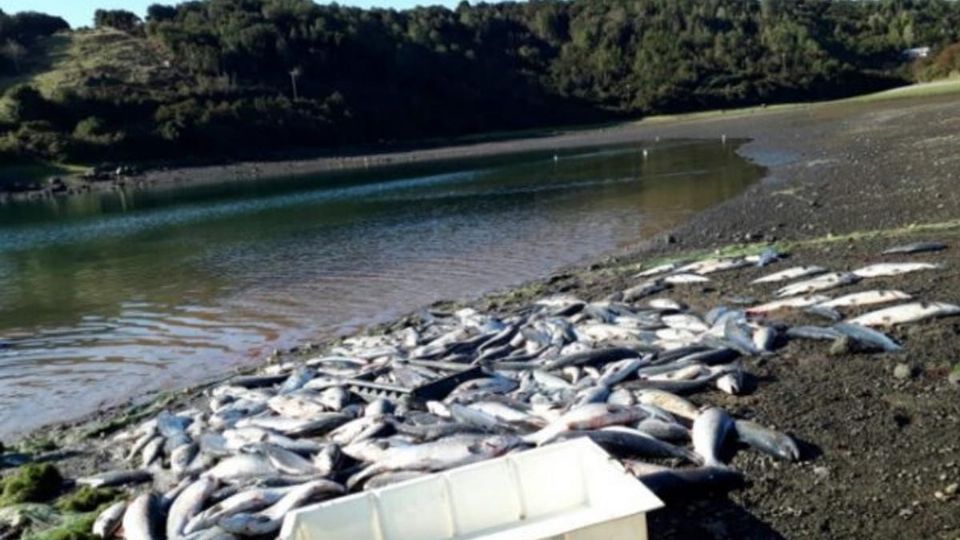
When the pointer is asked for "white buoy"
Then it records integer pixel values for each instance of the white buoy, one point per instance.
(723, 138)
(556, 157)
(646, 153)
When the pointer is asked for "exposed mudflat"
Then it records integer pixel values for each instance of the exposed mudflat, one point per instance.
(877, 448)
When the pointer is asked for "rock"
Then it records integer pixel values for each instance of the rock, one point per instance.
(954, 376)
(841, 345)
(951, 490)
(903, 371)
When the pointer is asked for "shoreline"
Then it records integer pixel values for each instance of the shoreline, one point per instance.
(470, 146)
(833, 170)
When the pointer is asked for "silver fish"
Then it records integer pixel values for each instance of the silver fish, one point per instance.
(710, 431)
(141, 521)
(187, 505)
(108, 521)
(766, 440)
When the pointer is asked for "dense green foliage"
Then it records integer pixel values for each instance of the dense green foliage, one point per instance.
(19, 33)
(116, 18)
(252, 77)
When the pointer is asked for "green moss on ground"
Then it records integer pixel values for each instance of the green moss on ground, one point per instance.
(72, 527)
(36, 482)
(87, 499)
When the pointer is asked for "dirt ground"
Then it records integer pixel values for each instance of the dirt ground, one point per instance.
(877, 448)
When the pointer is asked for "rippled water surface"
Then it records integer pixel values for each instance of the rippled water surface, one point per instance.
(105, 296)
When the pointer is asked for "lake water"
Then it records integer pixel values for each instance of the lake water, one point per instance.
(109, 295)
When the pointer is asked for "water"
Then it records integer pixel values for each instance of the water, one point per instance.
(106, 296)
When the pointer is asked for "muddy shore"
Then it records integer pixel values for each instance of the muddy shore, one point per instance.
(877, 447)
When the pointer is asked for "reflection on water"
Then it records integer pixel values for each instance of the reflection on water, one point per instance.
(105, 296)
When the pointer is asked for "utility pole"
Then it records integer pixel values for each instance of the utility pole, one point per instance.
(294, 75)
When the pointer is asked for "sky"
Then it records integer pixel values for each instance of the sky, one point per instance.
(80, 12)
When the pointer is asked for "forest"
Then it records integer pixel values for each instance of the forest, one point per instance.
(220, 79)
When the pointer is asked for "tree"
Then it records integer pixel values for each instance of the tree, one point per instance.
(160, 13)
(15, 53)
(26, 104)
(118, 19)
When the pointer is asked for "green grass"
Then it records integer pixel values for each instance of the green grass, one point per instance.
(101, 59)
(930, 89)
(936, 88)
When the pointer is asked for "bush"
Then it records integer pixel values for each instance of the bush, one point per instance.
(944, 64)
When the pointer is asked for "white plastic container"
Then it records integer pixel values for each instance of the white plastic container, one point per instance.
(571, 491)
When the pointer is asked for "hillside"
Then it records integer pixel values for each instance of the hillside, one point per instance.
(221, 79)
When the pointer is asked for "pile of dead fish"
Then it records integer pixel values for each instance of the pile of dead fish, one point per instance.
(455, 388)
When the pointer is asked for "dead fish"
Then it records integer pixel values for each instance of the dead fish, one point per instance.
(296, 406)
(819, 283)
(269, 521)
(284, 461)
(685, 321)
(357, 429)
(710, 431)
(116, 478)
(867, 336)
(865, 298)
(906, 313)
(764, 258)
(379, 407)
(644, 289)
(187, 505)
(618, 371)
(656, 270)
(181, 457)
(681, 484)
(438, 455)
(672, 403)
(730, 383)
(893, 269)
(824, 312)
(170, 425)
(142, 519)
(334, 399)
(296, 380)
(764, 338)
(663, 430)
(786, 303)
(916, 247)
(213, 533)
(298, 427)
(151, 451)
(813, 332)
(623, 397)
(628, 441)
(140, 444)
(478, 418)
(789, 274)
(242, 467)
(108, 521)
(596, 356)
(589, 416)
(247, 501)
(685, 279)
(768, 441)
(389, 478)
(325, 461)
